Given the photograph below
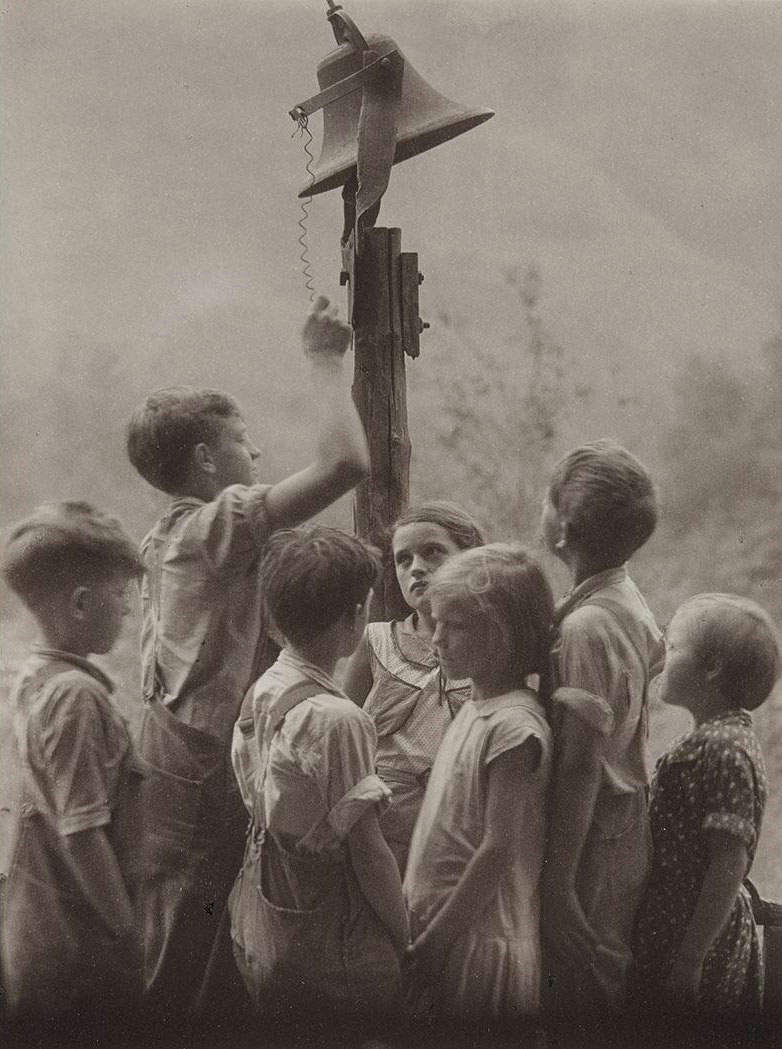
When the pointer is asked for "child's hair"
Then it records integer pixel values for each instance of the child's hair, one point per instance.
(460, 526)
(314, 575)
(163, 431)
(738, 637)
(607, 498)
(504, 582)
(64, 545)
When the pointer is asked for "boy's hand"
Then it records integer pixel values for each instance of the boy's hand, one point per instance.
(325, 334)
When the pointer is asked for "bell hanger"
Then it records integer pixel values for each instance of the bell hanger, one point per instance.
(373, 69)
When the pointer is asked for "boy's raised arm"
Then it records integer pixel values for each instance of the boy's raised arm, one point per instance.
(342, 456)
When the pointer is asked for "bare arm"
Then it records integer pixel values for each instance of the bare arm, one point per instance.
(728, 861)
(378, 876)
(358, 675)
(576, 782)
(341, 458)
(507, 818)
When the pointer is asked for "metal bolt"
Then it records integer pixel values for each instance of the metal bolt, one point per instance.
(344, 278)
(420, 278)
(422, 325)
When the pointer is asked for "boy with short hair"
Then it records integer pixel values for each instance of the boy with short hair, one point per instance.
(600, 508)
(317, 916)
(70, 945)
(205, 640)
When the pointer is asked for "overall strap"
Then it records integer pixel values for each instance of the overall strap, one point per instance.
(273, 719)
(152, 684)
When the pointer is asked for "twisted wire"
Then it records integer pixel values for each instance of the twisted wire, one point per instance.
(304, 257)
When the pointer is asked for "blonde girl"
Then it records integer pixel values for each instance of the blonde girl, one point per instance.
(477, 851)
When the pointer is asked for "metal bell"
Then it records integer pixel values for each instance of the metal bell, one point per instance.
(424, 117)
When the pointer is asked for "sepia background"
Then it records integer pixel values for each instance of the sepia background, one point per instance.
(603, 258)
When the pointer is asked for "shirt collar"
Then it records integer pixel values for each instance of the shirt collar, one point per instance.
(519, 697)
(588, 587)
(56, 656)
(289, 658)
(737, 714)
(412, 646)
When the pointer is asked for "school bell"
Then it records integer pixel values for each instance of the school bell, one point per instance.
(377, 111)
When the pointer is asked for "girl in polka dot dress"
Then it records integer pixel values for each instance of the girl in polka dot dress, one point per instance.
(696, 944)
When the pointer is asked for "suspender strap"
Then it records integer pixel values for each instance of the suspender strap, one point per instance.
(274, 717)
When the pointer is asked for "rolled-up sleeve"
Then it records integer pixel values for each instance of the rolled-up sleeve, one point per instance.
(232, 526)
(352, 806)
(347, 773)
(583, 675)
(81, 763)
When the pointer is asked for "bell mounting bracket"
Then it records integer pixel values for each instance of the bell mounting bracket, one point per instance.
(354, 82)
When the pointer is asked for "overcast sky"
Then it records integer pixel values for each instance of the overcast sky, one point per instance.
(149, 176)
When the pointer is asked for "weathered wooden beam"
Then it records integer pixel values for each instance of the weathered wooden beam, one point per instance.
(380, 393)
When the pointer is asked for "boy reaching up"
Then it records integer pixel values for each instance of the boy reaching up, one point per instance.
(204, 638)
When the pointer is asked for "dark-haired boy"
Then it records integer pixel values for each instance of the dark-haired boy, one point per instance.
(204, 637)
(317, 917)
(70, 944)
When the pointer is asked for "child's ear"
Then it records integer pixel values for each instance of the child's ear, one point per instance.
(79, 602)
(203, 459)
(713, 672)
(563, 534)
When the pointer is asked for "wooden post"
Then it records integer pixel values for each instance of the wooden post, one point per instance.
(383, 296)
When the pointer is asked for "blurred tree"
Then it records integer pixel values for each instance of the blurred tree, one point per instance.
(65, 439)
(500, 416)
(722, 482)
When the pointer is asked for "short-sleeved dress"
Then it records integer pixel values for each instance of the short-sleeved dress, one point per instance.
(492, 971)
(78, 772)
(306, 939)
(412, 705)
(713, 780)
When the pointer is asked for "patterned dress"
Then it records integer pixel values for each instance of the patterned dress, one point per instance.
(713, 780)
(412, 706)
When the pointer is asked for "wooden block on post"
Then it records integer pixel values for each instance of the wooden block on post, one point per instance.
(409, 280)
